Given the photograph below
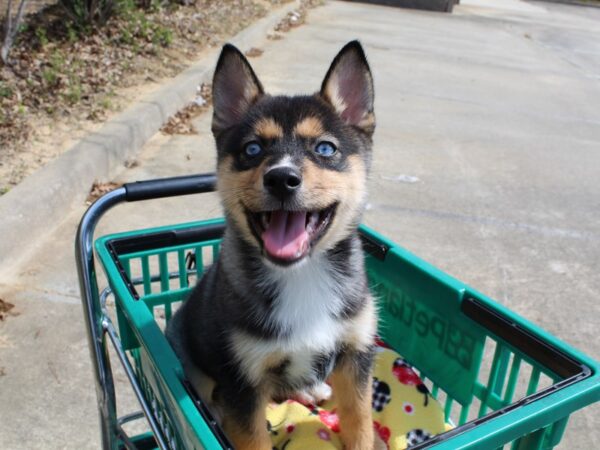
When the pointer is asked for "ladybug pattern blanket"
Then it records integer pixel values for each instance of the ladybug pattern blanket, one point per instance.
(404, 413)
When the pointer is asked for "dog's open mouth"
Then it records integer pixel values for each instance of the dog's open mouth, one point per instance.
(287, 236)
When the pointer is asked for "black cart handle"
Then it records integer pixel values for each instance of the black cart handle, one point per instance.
(169, 187)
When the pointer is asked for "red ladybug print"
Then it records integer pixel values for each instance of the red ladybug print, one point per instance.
(406, 375)
(379, 342)
(383, 432)
(330, 419)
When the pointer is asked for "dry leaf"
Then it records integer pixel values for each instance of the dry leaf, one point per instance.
(5, 309)
(181, 122)
(254, 52)
(131, 163)
(99, 189)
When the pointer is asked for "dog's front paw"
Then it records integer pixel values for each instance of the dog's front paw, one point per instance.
(314, 395)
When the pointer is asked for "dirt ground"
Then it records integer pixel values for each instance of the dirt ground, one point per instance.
(45, 124)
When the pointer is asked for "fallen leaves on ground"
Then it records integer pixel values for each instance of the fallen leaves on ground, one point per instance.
(66, 75)
(294, 18)
(5, 309)
(254, 52)
(131, 163)
(181, 122)
(99, 189)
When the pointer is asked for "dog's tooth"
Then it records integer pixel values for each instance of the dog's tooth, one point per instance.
(302, 249)
(313, 219)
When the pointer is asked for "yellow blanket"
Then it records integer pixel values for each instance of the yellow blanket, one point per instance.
(404, 413)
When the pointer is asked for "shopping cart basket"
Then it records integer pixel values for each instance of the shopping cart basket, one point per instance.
(503, 382)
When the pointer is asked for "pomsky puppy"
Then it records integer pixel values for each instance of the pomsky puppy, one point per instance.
(286, 306)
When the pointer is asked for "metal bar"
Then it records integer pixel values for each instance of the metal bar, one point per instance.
(104, 295)
(88, 285)
(112, 334)
(125, 438)
(130, 417)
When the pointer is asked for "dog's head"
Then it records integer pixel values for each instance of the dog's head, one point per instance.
(292, 170)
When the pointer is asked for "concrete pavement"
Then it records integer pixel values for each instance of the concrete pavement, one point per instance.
(486, 164)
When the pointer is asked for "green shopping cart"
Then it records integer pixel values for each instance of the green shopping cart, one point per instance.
(503, 382)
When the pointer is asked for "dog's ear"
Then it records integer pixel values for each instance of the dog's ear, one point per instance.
(348, 87)
(235, 88)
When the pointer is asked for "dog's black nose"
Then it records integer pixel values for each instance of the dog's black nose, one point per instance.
(282, 181)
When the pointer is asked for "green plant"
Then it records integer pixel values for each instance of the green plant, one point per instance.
(137, 26)
(72, 34)
(41, 35)
(86, 14)
(5, 91)
(50, 76)
(73, 94)
(57, 64)
(105, 103)
(162, 36)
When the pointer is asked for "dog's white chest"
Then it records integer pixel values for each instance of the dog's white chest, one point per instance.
(308, 297)
(304, 310)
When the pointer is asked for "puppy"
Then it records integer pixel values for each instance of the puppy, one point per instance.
(287, 305)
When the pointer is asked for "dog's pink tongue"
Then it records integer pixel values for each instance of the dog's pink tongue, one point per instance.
(286, 236)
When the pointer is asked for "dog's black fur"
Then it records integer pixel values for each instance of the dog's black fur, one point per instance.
(247, 335)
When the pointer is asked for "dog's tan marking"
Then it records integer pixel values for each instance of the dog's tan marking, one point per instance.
(267, 128)
(323, 187)
(353, 408)
(332, 94)
(309, 127)
(252, 437)
(367, 123)
(333, 97)
(240, 188)
(363, 327)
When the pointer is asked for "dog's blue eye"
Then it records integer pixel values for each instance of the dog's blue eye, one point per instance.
(325, 148)
(253, 149)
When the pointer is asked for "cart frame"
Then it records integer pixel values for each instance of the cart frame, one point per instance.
(579, 385)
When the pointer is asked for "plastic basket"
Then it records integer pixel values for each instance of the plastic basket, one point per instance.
(503, 382)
